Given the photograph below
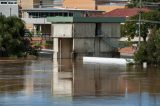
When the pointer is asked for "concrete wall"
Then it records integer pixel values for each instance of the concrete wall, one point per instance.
(85, 42)
(27, 4)
(80, 4)
(84, 30)
(8, 10)
(109, 8)
(84, 45)
(111, 29)
(36, 20)
(62, 30)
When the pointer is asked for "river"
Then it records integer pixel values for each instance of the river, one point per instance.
(44, 82)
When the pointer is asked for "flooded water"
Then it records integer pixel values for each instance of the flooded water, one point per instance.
(45, 82)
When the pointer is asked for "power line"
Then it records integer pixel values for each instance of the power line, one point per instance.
(147, 21)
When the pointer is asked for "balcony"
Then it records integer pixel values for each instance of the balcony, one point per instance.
(36, 20)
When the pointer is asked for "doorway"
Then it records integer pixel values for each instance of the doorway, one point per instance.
(65, 48)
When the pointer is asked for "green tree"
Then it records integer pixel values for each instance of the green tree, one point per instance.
(130, 28)
(12, 40)
(141, 54)
(135, 3)
(150, 51)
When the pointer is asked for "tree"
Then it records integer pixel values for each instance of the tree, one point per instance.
(130, 28)
(150, 51)
(135, 3)
(12, 41)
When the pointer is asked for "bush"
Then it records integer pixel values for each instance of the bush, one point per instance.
(141, 55)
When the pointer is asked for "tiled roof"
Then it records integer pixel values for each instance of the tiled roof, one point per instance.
(128, 50)
(125, 12)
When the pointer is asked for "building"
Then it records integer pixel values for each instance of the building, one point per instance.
(153, 5)
(105, 5)
(39, 3)
(125, 12)
(126, 51)
(9, 8)
(36, 18)
(75, 37)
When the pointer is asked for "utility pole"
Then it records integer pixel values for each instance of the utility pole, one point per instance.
(10, 11)
(140, 17)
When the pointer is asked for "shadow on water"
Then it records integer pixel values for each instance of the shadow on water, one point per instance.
(44, 82)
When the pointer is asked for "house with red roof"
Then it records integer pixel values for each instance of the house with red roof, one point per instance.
(123, 12)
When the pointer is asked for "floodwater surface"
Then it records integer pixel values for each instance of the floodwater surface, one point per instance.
(44, 82)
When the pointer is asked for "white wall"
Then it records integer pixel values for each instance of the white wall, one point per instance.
(7, 9)
(62, 30)
(36, 21)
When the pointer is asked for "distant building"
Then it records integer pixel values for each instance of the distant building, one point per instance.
(9, 8)
(153, 5)
(75, 37)
(105, 5)
(28, 4)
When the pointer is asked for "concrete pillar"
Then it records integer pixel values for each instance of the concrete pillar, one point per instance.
(97, 46)
(55, 48)
(34, 30)
(40, 28)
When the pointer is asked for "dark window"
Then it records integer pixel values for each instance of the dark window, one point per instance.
(65, 14)
(70, 14)
(98, 29)
(3, 2)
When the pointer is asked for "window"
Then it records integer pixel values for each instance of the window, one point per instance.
(98, 29)
(70, 14)
(3, 2)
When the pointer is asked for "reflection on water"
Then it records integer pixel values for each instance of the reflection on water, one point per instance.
(66, 83)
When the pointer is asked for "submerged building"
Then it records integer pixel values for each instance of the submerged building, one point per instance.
(36, 18)
(75, 37)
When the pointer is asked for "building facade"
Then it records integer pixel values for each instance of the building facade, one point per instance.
(105, 5)
(75, 37)
(9, 8)
(29, 4)
(36, 18)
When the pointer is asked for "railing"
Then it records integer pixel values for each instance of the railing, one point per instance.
(110, 41)
(36, 20)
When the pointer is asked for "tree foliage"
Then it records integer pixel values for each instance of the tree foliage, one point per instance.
(12, 41)
(150, 50)
(136, 3)
(130, 28)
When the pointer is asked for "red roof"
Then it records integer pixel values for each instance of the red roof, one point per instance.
(125, 12)
(128, 50)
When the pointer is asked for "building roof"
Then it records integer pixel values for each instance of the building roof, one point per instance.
(60, 19)
(125, 12)
(127, 50)
(58, 9)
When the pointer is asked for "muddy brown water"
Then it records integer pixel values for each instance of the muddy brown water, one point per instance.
(44, 82)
